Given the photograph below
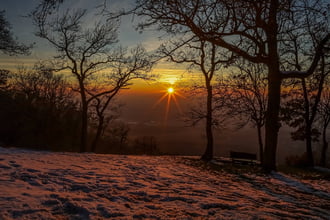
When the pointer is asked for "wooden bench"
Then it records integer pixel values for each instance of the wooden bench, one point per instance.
(242, 157)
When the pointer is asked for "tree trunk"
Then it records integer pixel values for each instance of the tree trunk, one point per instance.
(274, 92)
(84, 119)
(309, 151)
(208, 154)
(324, 147)
(272, 122)
(308, 126)
(261, 145)
(98, 134)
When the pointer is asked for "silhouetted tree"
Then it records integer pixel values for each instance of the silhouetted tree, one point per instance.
(122, 72)
(8, 44)
(4, 74)
(38, 110)
(83, 52)
(145, 145)
(324, 121)
(86, 52)
(4, 98)
(301, 109)
(248, 101)
(207, 58)
(118, 134)
(253, 30)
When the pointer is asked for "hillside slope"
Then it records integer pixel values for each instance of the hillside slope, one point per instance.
(45, 185)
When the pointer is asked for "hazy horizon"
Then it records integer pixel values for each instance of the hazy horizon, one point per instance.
(174, 136)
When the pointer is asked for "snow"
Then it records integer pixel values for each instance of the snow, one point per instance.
(46, 185)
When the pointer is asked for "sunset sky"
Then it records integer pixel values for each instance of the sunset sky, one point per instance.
(23, 29)
(146, 106)
(167, 74)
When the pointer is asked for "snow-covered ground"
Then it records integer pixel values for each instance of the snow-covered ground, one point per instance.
(45, 185)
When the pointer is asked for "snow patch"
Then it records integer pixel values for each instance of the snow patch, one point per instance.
(45, 185)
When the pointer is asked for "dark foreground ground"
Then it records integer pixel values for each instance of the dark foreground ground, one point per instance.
(44, 185)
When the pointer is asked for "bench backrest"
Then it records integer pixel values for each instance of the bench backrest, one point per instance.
(243, 155)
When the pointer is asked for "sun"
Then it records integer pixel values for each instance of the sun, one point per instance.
(170, 90)
(171, 95)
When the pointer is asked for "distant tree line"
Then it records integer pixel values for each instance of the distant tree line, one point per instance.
(38, 110)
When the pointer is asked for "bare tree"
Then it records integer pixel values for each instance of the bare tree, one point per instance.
(208, 59)
(8, 43)
(41, 84)
(306, 107)
(120, 76)
(324, 121)
(118, 135)
(255, 31)
(4, 75)
(299, 110)
(315, 110)
(145, 144)
(39, 109)
(249, 97)
(86, 52)
(83, 52)
(295, 54)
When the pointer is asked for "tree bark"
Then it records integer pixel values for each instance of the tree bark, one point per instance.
(272, 121)
(260, 142)
(84, 119)
(274, 92)
(324, 147)
(208, 154)
(308, 126)
(309, 151)
(84, 127)
(98, 133)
